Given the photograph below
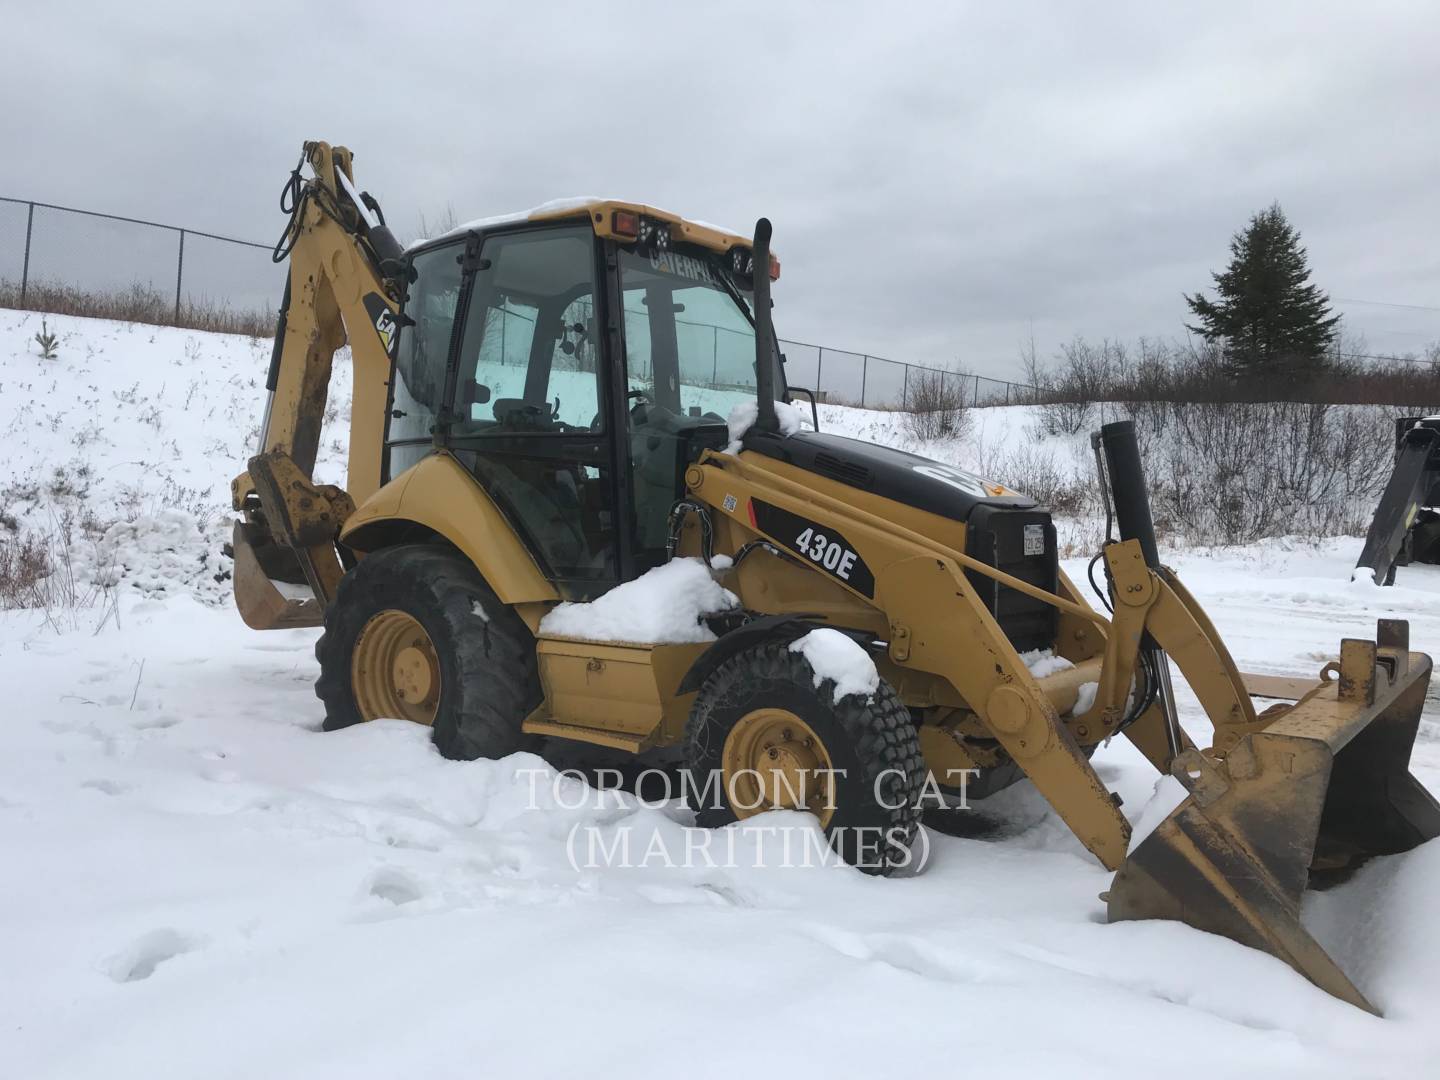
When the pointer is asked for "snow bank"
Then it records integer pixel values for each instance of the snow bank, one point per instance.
(841, 659)
(190, 852)
(665, 604)
(122, 448)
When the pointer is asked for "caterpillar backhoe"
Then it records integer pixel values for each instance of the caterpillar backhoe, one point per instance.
(539, 416)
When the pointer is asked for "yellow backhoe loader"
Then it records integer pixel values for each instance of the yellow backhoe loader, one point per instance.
(539, 416)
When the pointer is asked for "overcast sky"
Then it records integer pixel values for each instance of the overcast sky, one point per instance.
(945, 180)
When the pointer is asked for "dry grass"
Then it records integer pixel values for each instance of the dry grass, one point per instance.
(38, 573)
(25, 567)
(138, 304)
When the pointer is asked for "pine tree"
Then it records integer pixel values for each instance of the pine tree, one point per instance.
(1267, 317)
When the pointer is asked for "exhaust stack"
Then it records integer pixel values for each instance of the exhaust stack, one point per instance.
(1132, 514)
(764, 329)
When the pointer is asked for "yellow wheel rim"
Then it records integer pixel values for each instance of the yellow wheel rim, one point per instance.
(773, 760)
(394, 670)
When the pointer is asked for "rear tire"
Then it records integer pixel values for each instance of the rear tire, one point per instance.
(484, 654)
(871, 744)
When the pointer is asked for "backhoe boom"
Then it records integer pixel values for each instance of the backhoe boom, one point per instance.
(342, 286)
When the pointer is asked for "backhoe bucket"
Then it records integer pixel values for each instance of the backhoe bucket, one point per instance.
(266, 603)
(1324, 786)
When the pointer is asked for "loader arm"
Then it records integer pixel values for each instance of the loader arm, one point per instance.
(911, 573)
(1295, 791)
(343, 285)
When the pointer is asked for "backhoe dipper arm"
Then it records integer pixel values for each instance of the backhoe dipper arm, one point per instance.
(343, 285)
(1417, 470)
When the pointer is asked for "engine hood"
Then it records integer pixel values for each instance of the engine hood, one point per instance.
(887, 472)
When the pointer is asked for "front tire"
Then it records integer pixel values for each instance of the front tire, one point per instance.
(760, 725)
(416, 634)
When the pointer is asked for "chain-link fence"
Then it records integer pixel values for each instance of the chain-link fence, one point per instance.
(46, 249)
(851, 378)
(198, 278)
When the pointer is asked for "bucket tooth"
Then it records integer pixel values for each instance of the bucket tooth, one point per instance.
(1325, 786)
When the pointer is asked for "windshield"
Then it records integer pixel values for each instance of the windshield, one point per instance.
(689, 340)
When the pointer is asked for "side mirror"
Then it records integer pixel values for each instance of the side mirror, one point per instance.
(814, 409)
(472, 393)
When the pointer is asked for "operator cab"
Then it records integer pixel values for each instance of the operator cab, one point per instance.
(576, 362)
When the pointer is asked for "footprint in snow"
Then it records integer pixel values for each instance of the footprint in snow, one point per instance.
(162, 720)
(142, 956)
(106, 786)
(394, 886)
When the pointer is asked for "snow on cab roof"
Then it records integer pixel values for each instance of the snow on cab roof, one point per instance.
(715, 237)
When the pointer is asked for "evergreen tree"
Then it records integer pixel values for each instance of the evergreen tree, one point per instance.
(1267, 315)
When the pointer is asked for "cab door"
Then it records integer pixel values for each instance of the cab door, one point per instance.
(528, 398)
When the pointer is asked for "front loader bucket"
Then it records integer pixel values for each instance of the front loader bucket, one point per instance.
(1324, 786)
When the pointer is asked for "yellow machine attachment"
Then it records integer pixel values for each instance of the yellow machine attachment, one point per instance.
(341, 286)
(433, 586)
(1322, 785)
(1299, 794)
(1294, 796)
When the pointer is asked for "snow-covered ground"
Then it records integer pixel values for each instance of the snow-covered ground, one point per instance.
(201, 883)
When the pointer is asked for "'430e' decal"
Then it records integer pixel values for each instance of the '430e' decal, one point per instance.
(822, 547)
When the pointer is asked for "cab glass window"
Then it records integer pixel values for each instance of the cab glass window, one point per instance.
(689, 360)
(528, 415)
(430, 307)
(530, 356)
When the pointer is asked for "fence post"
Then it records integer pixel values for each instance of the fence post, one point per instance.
(1007, 393)
(819, 367)
(179, 274)
(25, 268)
(714, 356)
(977, 390)
(905, 389)
(864, 374)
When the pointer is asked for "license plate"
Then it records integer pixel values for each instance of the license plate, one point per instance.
(1034, 539)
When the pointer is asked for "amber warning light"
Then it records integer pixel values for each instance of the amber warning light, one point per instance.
(626, 223)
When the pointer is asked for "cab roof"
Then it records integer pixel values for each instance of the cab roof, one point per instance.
(601, 214)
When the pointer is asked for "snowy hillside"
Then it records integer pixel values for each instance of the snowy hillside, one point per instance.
(201, 883)
(127, 442)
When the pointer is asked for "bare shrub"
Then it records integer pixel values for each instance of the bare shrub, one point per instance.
(38, 572)
(1235, 472)
(443, 222)
(1152, 372)
(24, 567)
(935, 404)
(1034, 471)
(1086, 374)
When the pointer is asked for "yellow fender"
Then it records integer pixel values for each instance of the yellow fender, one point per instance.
(442, 496)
